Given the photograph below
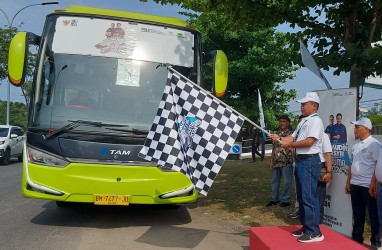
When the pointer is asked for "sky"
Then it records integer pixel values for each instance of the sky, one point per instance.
(32, 19)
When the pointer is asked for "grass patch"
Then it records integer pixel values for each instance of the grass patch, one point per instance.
(240, 192)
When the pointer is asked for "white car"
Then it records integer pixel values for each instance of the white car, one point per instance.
(12, 139)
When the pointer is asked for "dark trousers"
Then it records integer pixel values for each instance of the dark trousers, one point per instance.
(321, 193)
(255, 149)
(255, 152)
(360, 200)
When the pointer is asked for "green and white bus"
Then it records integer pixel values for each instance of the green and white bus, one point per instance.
(99, 78)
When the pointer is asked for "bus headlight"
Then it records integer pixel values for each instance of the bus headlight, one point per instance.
(45, 158)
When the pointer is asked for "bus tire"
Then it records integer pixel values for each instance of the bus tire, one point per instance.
(62, 204)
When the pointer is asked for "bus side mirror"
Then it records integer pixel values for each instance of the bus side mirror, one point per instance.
(220, 71)
(18, 57)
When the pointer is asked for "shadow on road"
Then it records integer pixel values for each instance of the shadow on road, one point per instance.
(86, 215)
(162, 221)
(171, 236)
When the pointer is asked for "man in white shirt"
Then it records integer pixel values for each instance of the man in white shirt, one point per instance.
(307, 139)
(361, 181)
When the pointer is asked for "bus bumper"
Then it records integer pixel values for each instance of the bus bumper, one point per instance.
(80, 182)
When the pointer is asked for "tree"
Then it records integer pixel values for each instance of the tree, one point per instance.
(342, 32)
(376, 119)
(375, 114)
(258, 60)
(18, 113)
(375, 110)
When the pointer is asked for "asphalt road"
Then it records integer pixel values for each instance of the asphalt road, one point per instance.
(40, 224)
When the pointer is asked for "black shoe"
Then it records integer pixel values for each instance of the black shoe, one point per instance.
(299, 232)
(271, 203)
(285, 204)
(311, 238)
(294, 215)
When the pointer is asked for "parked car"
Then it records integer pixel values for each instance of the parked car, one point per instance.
(12, 139)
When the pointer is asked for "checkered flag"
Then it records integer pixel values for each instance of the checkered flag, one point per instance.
(192, 132)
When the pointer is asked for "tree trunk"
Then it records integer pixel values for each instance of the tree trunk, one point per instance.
(355, 76)
(355, 81)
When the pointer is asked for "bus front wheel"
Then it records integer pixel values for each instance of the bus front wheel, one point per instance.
(62, 204)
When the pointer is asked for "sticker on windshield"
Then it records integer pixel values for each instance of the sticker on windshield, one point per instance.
(128, 73)
(125, 40)
(115, 41)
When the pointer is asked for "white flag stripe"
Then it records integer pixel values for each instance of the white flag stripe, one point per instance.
(309, 62)
(192, 132)
(261, 112)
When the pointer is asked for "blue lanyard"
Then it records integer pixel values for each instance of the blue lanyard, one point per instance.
(300, 127)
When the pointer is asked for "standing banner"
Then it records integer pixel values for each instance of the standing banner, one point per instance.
(341, 103)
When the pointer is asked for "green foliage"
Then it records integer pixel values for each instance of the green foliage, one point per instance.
(375, 114)
(294, 120)
(27, 90)
(376, 119)
(18, 114)
(258, 59)
(341, 31)
(375, 110)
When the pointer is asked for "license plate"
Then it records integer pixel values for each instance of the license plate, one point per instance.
(101, 199)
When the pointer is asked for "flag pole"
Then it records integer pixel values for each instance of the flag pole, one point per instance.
(218, 100)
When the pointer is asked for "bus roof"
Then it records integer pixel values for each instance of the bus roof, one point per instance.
(125, 14)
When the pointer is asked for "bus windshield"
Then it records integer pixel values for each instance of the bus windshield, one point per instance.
(108, 71)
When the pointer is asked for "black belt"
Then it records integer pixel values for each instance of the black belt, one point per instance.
(305, 156)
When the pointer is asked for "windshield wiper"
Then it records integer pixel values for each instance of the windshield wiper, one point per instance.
(77, 123)
(132, 131)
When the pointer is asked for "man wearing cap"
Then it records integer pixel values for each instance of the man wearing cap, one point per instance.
(361, 181)
(307, 141)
